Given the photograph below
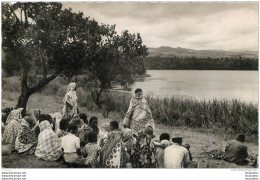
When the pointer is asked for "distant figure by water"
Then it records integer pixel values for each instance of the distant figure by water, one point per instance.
(139, 114)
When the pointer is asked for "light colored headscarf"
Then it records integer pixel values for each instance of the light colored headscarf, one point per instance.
(105, 127)
(165, 143)
(127, 133)
(71, 87)
(14, 115)
(71, 96)
(57, 116)
(49, 146)
(44, 125)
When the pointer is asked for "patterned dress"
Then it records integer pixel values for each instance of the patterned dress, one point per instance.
(143, 153)
(11, 132)
(14, 115)
(70, 108)
(138, 115)
(112, 152)
(49, 145)
(92, 151)
(26, 141)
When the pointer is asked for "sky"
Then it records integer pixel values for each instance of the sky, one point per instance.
(193, 25)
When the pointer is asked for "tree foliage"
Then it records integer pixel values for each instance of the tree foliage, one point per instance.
(42, 41)
(193, 63)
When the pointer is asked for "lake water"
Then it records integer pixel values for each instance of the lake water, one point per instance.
(202, 84)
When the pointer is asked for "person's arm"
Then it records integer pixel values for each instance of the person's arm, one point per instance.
(78, 146)
(127, 119)
(186, 159)
(244, 152)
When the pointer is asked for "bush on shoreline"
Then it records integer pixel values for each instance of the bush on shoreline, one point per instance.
(231, 115)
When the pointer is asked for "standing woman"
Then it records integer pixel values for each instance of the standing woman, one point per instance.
(70, 102)
(139, 114)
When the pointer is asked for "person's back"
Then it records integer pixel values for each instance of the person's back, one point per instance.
(70, 143)
(176, 156)
(236, 152)
(71, 146)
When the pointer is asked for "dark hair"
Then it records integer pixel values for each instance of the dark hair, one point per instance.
(73, 128)
(91, 137)
(177, 140)
(76, 120)
(114, 125)
(95, 128)
(83, 116)
(64, 124)
(164, 136)
(4, 117)
(93, 119)
(138, 90)
(44, 117)
(241, 138)
(30, 120)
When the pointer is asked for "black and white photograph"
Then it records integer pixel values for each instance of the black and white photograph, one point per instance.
(138, 84)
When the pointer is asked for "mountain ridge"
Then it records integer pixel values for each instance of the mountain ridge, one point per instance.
(167, 51)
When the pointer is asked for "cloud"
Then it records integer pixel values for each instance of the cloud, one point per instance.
(196, 25)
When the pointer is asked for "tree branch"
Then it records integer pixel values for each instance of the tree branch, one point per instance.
(43, 82)
(12, 10)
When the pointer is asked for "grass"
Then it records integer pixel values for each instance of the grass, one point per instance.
(204, 125)
(231, 116)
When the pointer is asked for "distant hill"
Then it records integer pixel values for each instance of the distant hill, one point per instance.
(166, 51)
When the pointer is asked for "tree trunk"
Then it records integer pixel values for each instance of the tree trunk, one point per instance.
(24, 96)
(96, 97)
(26, 91)
(23, 99)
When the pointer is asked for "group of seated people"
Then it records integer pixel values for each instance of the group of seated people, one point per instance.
(80, 142)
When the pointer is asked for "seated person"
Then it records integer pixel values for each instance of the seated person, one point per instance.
(71, 146)
(42, 117)
(83, 130)
(164, 142)
(176, 156)
(49, 147)
(128, 143)
(143, 153)
(64, 124)
(12, 127)
(26, 141)
(84, 117)
(105, 128)
(93, 123)
(236, 151)
(91, 150)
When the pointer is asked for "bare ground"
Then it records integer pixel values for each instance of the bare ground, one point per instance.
(200, 140)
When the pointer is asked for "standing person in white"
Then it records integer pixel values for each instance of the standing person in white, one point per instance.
(176, 156)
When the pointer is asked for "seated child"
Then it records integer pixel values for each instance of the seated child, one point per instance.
(105, 128)
(64, 124)
(71, 146)
(93, 123)
(91, 150)
(128, 142)
(164, 142)
(84, 117)
(84, 129)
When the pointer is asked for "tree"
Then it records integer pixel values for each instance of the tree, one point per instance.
(45, 41)
(121, 56)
